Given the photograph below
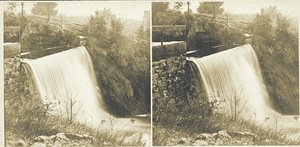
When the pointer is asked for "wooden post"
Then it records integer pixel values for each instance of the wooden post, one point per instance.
(161, 38)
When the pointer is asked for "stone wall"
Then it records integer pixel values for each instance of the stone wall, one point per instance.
(15, 80)
(16, 83)
(168, 73)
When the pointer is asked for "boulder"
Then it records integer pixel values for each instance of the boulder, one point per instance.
(62, 139)
(20, 143)
(200, 143)
(183, 140)
(45, 139)
(38, 144)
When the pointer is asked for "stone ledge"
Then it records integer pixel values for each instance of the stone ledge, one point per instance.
(12, 50)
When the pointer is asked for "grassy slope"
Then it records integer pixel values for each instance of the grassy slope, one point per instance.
(27, 118)
(165, 134)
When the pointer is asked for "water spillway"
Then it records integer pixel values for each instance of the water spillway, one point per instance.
(233, 79)
(66, 82)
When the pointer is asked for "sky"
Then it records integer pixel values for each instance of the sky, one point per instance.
(287, 7)
(135, 10)
(130, 10)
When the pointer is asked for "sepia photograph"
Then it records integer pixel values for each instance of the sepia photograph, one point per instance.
(149, 73)
(77, 73)
(225, 73)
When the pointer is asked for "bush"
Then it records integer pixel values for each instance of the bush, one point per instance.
(192, 116)
(26, 116)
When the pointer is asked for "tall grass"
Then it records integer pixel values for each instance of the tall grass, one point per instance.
(26, 117)
(189, 122)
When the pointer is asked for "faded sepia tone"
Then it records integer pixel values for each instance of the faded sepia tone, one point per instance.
(77, 79)
(224, 76)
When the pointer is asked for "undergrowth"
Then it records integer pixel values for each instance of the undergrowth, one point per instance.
(197, 117)
(26, 117)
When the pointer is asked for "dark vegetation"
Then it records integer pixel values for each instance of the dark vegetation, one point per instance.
(275, 42)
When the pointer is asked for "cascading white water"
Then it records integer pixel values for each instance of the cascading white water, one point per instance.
(233, 78)
(66, 80)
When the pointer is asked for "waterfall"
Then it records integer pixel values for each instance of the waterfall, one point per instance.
(67, 82)
(233, 80)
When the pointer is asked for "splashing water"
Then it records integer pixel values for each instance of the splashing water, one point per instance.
(66, 81)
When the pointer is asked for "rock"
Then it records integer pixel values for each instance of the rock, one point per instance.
(44, 139)
(155, 63)
(39, 144)
(154, 76)
(62, 139)
(223, 135)
(183, 140)
(203, 136)
(20, 143)
(225, 138)
(222, 138)
(83, 138)
(219, 142)
(200, 143)
(209, 138)
(241, 134)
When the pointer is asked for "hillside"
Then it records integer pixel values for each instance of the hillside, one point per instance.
(75, 24)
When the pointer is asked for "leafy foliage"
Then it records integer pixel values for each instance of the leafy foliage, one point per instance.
(276, 45)
(37, 36)
(44, 8)
(211, 8)
(121, 63)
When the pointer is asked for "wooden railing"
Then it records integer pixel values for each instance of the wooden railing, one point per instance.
(164, 28)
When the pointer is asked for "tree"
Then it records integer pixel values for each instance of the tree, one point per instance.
(158, 7)
(237, 103)
(115, 31)
(276, 44)
(211, 8)
(11, 6)
(282, 31)
(44, 8)
(263, 26)
(96, 30)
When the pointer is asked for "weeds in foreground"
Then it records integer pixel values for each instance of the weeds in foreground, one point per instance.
(163, 134)
(25, 119)
(197, 116)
